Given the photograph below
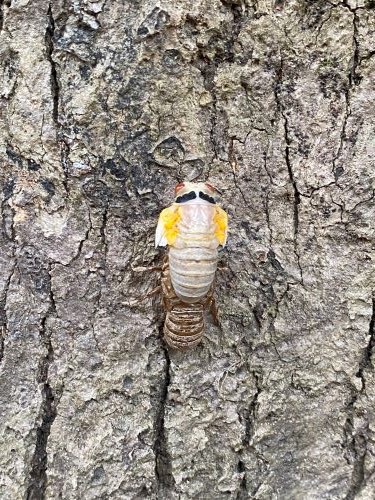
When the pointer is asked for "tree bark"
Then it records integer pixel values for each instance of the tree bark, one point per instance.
(105, 106)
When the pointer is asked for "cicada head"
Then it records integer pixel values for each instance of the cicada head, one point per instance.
(187, 191)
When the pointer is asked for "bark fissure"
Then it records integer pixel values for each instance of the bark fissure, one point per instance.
(339, 170)
(356, 442)
(163, 464)
(354, 78)
(234, 166)
(8, 222)
(3, 312)
(81, 243)
(38, 474)
(268, 220)
(64, 157)
(266, 167)
(367, 57)
(7, 213)
(324, 21)
(55, 89)
(296, 193)
(3, 3)
(274, 317)
(1, 14)
(103, 238)
(2, 339)
(103, 229)
(249, 428)
(297, 197)
(249, 419)
(356, 446)
(242, 492)
(366, 362)
(267, 198)
(288, 162)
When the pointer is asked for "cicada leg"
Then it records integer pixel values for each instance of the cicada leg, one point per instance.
(140, 298)
(214, 310)
(151, 293)
(144, 269)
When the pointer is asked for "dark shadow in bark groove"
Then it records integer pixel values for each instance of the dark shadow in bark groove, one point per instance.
(357, 445)
(50, 31)
(2, 338)
(242, 494)
(38, 475)
(1, 14)
(163, 466)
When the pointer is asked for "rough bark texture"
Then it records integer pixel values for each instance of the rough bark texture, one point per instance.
(105, 105)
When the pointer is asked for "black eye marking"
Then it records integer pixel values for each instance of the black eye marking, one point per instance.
(186, 197)
(206, 197)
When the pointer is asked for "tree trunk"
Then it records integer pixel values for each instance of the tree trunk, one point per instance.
(105, 106)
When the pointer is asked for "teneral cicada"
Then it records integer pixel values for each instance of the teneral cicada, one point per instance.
(193, 227)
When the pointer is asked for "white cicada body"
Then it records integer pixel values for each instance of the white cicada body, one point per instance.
(193, 227)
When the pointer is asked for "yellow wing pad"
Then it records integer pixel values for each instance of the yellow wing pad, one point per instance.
(221, 221)
(167, 231)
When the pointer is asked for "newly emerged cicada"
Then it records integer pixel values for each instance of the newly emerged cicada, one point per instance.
(193, 227)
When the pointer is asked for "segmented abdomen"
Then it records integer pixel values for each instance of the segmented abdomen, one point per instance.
(184, 323)
(184, 326)
(192, 271)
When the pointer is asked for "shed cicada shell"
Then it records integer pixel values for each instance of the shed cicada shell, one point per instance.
(193, 227)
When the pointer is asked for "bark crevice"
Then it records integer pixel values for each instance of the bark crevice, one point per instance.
(163, 463)
(81, 243)
(3, 3)
(248, 418)
(3, 313)
(55, 89)
(1, 14)
(296, 193)
(48, 411)
(366, 362)
(232, 159)
(356, 447)
(242, 492)
(339, 170)
(288, 162)
(354, 77)
(103, 229)
(7, 212)
(357, 442)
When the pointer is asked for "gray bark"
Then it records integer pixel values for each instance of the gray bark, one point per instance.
(105, 106)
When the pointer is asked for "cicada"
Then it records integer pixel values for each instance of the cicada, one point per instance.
(193, 227)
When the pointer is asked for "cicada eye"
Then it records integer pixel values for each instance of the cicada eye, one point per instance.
(213, 189)
(178, 187)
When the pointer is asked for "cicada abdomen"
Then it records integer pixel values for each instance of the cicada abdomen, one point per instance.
(184, 323)
(193, 227)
